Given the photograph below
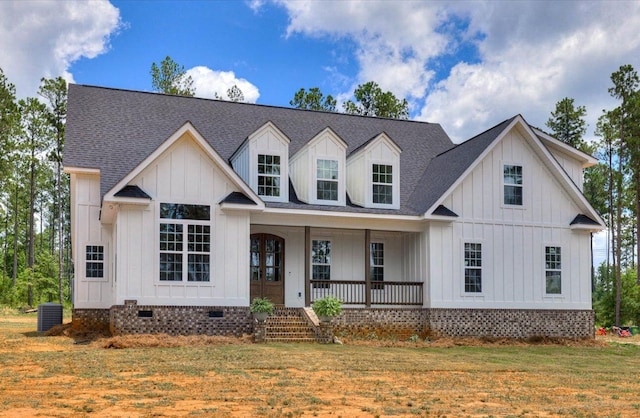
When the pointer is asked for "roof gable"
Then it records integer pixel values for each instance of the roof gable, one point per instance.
(189, 131)
(449, 169)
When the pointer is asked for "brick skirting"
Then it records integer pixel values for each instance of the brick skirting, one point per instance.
(512, 323)
(90, 319)
(382, 322)
(401, 323)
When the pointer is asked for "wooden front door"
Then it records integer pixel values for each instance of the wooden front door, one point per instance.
(267, 267)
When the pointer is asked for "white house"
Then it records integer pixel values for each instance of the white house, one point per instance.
(185, 209)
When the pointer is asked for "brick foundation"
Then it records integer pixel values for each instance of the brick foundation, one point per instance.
(512, 323)
(383, 322)
(364, 322)
(90, 319)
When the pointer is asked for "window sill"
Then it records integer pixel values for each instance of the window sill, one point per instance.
(187, 284)
(95, 279)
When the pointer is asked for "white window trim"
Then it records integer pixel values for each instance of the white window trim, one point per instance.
(523, 185)
(105, 262)
(395, 185)
(311, 264)
(545, 269)
(156, 243)
(483, 270)
(284, 176)
(340, 181)
(383, 265)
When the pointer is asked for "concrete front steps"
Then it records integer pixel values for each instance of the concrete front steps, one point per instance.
(289, 325)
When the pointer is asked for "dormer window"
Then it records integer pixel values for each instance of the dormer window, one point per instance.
(327, 180)
(263, 162)
(269, 175)
(373, 174)
(382, 184)
(318, 172)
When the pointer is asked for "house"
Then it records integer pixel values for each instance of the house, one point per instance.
(184, 209)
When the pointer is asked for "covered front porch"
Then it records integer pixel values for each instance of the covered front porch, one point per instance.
(297, 265)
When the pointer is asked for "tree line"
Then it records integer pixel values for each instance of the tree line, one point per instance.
(35, 255)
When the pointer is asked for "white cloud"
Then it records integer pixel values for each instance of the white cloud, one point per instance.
(395, 39)
(43, 38)
(212, 84)
(529, 54)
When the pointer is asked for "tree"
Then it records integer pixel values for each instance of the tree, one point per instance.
(372, 101)
(9, 124)
(171, 78)
(55, 92)
(235, 94)
(35, 131)
(567, 123)
(313, 99)
(625, 88)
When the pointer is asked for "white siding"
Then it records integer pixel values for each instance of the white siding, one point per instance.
(241, 163)
(87, 230)
(513, 239)
(357, 179)
(183, 174)
(268, 140)
(572, 166)
(359, 172)
(326, 146)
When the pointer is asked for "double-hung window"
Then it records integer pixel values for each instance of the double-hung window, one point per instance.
(327, 180)
(269, 175)
(472, 267)
(321, 262)
(377, 265)
(512, 185)
(185, 242)
(553, 270)
(382, 178)
(94, 262)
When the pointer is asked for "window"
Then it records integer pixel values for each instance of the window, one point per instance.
(321, 262)
(377, 265)
(472, 267)
(327, 180)
(382, 184)
(513, 185)
(185, 242)
(553, 270)
(94, 262)
(269, 175)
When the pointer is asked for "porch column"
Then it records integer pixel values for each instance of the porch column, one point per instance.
(367, 267)
(307, 266)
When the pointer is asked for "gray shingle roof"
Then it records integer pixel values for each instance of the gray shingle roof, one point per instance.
(115, 130)
(445, 168)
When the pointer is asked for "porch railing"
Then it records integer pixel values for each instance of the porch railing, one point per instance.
(353, 292)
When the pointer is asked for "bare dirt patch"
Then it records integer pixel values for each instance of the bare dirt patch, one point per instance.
(160, 375)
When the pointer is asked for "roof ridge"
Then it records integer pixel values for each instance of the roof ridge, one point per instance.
(252, 104)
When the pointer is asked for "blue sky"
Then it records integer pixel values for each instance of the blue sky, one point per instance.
(467, 65)
(226, 36)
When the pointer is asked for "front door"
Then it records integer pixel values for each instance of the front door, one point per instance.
(267, 267)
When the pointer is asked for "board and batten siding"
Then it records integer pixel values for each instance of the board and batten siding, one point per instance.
(571, 166)
(303, 166)
(182, 174)
(85, 215)
(381, 150)
(513, 238)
